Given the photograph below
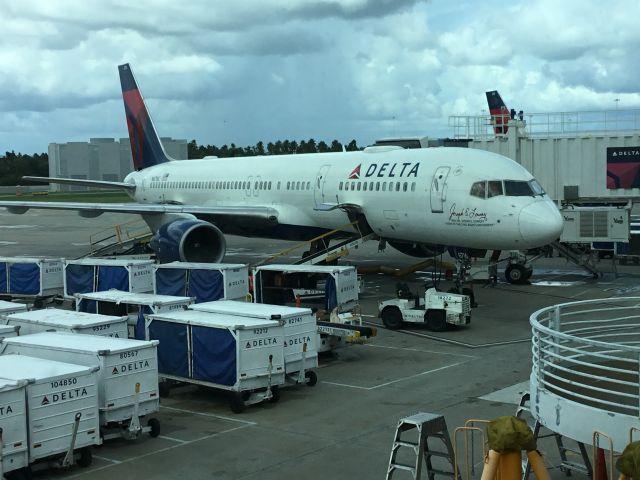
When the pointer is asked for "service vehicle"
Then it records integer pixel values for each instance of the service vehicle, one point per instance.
(437, 310)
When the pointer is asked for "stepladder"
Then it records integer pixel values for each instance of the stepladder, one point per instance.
(567, 465)
(411, 450)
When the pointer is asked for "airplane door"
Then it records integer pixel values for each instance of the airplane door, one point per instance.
(438, 188)
(318, 186)
(256, 185)
(249, 185)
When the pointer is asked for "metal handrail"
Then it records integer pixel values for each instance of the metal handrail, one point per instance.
(596, 360)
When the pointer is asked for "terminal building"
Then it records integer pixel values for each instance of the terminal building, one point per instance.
(100, 159)
(578, 157)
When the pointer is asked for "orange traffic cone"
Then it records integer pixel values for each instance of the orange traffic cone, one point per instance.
(600, 467)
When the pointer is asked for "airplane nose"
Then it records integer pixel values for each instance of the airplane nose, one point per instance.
(540, 224)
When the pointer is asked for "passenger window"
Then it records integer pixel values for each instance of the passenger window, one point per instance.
(384, 186)
(353, 186)
(404, 187)
(495, 188)
(397, 186)
(308, 185)
(377, 186)
(288, 185)
(478, 189)
(358, 186)
(297, 185)
(364, 186)
(278, 184)
(413, 186)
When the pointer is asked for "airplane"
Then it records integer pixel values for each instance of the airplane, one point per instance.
(499, 112)
(417, 200)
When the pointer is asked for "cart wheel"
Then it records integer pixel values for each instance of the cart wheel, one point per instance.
(154, 423)
(436, 320)
(275, 394)
(392, 318)
(237, 403)
(311, 377)
(85, 457)
(164, 389)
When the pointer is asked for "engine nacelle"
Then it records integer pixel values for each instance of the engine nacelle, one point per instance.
(420, 250)
(189, 240)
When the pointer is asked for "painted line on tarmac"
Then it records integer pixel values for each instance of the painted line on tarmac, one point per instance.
(155, 452)
(419, 350)
(457, 342)
(402, 379)
(105, 459)
(213, 415)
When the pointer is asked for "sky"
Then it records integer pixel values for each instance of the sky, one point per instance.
(243, 71)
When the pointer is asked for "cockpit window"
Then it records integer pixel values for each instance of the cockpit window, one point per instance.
(495, 188)
(478, 189)
(515, 188)
(536, 187)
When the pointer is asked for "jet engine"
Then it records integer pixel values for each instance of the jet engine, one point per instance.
(189, 240)
(421, 250)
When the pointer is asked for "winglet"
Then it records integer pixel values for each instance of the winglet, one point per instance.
(146, 148)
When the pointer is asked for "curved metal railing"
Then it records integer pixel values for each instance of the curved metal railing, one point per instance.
(589, 352)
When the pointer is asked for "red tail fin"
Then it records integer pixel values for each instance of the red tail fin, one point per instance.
(499, 113)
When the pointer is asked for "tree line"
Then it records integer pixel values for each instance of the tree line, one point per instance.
(285, 147)
(13, 166)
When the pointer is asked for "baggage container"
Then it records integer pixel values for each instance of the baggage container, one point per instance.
(58, 320)
(7, 331)
(127, 379)
(31, 276)
(7, 308)
(134, 305)
(99, 274)
(205, 282)
(300, 333)
(241, 355)
(14, 454)
(62, 407)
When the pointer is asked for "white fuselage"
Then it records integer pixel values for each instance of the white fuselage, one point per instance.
(421, 195)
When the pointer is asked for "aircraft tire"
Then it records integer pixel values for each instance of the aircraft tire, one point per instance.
(516, 274)
(392, 318)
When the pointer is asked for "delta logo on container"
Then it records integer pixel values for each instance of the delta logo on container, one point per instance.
(68, 395)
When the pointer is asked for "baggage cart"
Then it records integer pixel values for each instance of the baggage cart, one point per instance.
(7, 331)
(62, 408)
(242, 356)
(134, 305)
(55, 319)
(7, 308)
(14, 454)
(34, 279)
(127, 379)
(99, 274)
(331, 291)
(300, 333)
(205, 282)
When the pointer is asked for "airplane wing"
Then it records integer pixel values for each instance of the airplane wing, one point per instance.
(223, 214)
(81, 182)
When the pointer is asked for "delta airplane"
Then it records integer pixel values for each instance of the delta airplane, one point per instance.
(417, 200)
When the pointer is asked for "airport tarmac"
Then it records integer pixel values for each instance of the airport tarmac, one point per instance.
(343, 427)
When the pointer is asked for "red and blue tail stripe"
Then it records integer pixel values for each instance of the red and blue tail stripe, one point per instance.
(146, 149)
